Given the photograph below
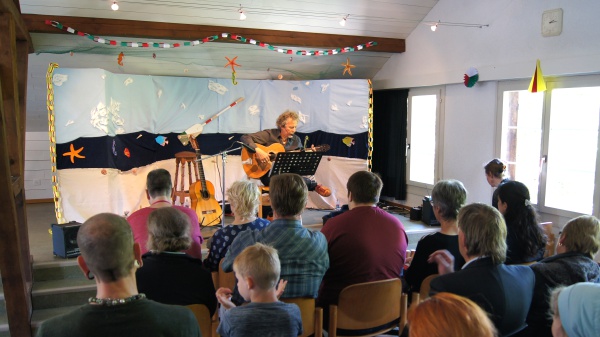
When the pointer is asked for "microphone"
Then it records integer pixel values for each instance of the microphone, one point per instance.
(246, 146)
(305, 141)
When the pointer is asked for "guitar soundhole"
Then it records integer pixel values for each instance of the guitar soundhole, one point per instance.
(205, 195)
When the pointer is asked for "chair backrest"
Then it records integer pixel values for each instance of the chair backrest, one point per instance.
(426, 286)
(367, 305)
(551, 244)
(226, 280)
(312, 317)
(203, 317)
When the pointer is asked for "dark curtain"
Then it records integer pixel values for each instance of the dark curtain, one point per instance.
(389, 140)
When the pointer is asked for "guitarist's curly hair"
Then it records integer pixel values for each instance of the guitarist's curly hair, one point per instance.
(284, 117)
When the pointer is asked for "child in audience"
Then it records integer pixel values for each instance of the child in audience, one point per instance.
(257, 270)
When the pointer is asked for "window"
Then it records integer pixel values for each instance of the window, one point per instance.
(550, 142)
(424, 109)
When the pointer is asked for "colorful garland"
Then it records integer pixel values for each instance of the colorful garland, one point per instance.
(370, 132)
(52, 135)
(213, 38)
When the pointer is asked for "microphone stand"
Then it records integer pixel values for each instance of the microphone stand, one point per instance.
(223, 155)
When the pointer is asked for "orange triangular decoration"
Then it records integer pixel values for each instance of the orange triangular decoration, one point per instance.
(537, 81)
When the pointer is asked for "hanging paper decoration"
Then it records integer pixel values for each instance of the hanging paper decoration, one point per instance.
(127, 153)
(232, 64)
(213, 38)
(120, 59)
(471, 77)
(161, 140)
(537, 84)
(349, 141)
(73, 153)
(348, 67)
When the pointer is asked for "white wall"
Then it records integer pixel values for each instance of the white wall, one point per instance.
(38, 176)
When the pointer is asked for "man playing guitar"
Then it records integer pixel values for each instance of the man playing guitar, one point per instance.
(285, 135)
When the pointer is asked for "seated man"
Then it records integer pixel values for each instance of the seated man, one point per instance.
(365, 243)
(303, 253)
(448, 196)
(284, 135)
(505, 292)
(159, 190)
(257, 269)
(109, 253)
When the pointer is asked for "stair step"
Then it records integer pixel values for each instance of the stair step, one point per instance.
(57, 270)
(60, 293)
(40, 316)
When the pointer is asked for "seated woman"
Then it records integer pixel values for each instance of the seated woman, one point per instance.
(494, 173)
(525, 239)
(447, 196)
(446, 314)
(168, 275)
(575, 310)
(579, 241)
(243, 198)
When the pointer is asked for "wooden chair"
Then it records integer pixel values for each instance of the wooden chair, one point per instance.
(551, 244)
(426, 286)
(225, 279)
(181, 159)
(312, 317)
(263, 199)
(367, 305)
(203, 317)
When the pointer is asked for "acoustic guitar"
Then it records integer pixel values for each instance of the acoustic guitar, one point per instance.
(255, 169)
(202, 195)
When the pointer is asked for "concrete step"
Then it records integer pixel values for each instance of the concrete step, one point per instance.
(61, 293)
(40, 316)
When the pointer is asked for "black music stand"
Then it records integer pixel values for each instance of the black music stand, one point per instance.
(301, 163)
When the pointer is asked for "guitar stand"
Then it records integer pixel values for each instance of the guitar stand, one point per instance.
(301, 163)
(223, 155)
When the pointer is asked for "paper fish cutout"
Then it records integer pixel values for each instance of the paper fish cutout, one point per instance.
(349, 103)
(307, 83)
(59, 79)
(128, 81)
(334, 107)
(296, 98)
(302, 117)
(74, 153)
(161, 140)
(217, 87)
(139, 136)
(365, 121)
(349, 141)
(120, 58)
(159, 93)
(69, 122)
(114, 148)
(182, 106)
(127, 153)
(324, 87)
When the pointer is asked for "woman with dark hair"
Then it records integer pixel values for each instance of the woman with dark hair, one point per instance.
(494, 173)
(525, 239)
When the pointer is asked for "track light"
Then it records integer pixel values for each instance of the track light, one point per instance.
(434, 27)
(114, 6)
(343, 20)
(242, 14)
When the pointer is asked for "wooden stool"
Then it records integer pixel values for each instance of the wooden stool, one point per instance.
(182, 158)
(263, 200)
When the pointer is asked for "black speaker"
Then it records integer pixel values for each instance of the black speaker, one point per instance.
(64, 239)
(427, 213)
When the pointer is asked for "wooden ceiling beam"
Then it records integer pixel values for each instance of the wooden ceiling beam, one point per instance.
(13, 9)
(186, 32)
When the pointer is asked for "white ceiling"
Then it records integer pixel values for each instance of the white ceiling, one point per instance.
(369, 18)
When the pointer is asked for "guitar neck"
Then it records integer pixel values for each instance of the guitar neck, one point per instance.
(201, 169)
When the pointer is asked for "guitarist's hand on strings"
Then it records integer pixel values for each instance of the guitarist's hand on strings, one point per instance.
(261, 155)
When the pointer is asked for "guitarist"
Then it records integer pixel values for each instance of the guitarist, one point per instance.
(284, 134)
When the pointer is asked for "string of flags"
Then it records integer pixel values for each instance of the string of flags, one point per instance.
(207, 39)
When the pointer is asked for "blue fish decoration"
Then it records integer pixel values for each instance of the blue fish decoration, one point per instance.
(161, 140)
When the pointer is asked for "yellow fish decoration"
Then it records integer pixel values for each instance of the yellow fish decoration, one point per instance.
(349, 141)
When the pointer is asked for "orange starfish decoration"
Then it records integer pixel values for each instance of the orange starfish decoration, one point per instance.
(74, 153)
(348, 67)
(232, 63)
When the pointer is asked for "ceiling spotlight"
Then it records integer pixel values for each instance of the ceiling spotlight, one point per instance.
(242, 14)
(114, 6)
(434, 27)
(343, 20)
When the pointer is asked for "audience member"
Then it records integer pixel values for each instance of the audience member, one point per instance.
(365, 243)
(503, 291)
(494, 173)
(303, 253)
(525, 238)
(159, 191)
(109, 253)
(243, 196)
(168, 274)
(576, 310)
(257, 269)
(579, 241)
(284, 134)
(447, 197)
(446, 314)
